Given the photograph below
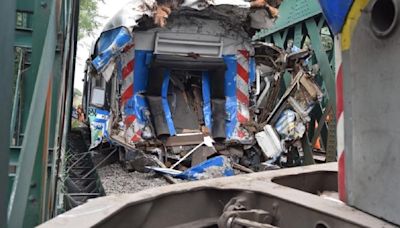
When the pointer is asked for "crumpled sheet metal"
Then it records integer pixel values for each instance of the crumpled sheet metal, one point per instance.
(219, 166)
(117, 35)
(110, 44)
(136, 128)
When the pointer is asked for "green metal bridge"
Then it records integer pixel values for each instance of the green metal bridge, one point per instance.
(37, 61)
(41, 40)
(302, 23)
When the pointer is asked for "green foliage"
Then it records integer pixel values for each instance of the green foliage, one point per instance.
(326, 39)
(87, 17)
(77, 100)
(77, 92)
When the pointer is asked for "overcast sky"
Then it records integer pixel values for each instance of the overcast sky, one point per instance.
(106, 11)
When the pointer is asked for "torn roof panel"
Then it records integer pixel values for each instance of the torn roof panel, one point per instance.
(229, 19)
(130, 14)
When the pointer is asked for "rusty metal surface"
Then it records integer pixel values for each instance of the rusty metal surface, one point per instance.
(184, 140)
(204, 200)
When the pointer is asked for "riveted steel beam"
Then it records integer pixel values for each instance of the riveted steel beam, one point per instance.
(7, 16)
(30, 146)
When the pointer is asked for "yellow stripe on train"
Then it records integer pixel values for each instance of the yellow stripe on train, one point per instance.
(351, 22)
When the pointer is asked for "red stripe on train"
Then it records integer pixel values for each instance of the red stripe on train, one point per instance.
(128, 93)
(245, 54)
(128, 69)
(129, 120)
(241, 118)
(242, 98)
(242, 73)
(137, 137)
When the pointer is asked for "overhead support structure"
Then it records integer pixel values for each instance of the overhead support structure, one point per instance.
(302, 23)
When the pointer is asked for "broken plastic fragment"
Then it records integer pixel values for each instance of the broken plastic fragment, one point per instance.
(269, 142)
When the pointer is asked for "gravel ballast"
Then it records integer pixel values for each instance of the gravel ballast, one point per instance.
(115, 180)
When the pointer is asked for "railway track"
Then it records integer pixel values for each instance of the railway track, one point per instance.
(91, 174)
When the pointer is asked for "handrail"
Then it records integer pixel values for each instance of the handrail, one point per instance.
(17, 205)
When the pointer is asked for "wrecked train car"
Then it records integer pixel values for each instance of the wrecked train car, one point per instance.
(164, 75)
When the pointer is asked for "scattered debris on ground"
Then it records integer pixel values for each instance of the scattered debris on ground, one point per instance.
(116, 180)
